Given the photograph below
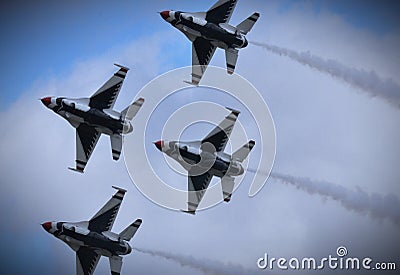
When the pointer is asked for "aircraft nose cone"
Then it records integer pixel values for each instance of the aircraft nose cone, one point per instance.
(164, 14)
(46, 226)
(46, 101)
(159, 144)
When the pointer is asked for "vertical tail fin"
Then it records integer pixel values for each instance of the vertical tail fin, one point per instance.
(242, 153)
(133, 109)
(130, 231)
(248, 23)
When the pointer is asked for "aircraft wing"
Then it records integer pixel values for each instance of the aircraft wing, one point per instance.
(86, 261)
(86, 140)
(219, 136)
(221, 11)
(202, 52)
(106, 96)
(103, 220)
(197, 186)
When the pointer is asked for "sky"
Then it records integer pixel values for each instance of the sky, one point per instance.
(328, 132)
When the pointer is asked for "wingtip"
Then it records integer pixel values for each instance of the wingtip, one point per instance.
(119, 189)
(235, 112)
(121, 66)
(191, 83)
(75, 170)
(192, 212)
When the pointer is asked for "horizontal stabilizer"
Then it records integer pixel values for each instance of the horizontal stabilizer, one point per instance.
(231, 55)
(130, 112)
(242, 153)
(228, 183)
(248, 23)
(115, 265)
(130, 231)
(116, 145)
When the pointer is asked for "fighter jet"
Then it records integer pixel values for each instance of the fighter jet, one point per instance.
(209, 30)
(92, 239)
(95, 116)
(206, 158)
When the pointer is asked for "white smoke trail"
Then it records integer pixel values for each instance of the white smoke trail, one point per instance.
(373, 205)
(369, 82)
(206, 266)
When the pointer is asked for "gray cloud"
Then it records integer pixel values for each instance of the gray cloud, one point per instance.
(367, 81)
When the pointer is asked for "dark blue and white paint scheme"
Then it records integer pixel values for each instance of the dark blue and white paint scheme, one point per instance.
(95, 116)
(209, 30)
(206, 158)
(92, 239)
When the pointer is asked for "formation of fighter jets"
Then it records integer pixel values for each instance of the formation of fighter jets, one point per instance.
(203, 159)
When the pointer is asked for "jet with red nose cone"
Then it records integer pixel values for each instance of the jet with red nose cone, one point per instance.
(92, 239)
(209, 30)
(95, 116)
(206, 158)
